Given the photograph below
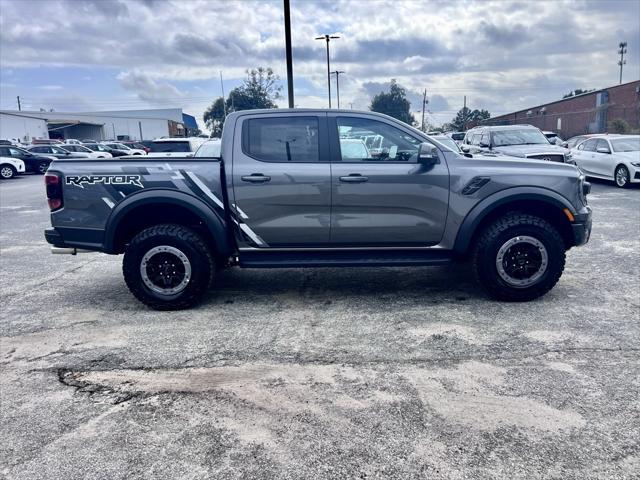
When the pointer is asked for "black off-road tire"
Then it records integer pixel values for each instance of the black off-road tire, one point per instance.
(512, 225)
(200, 256)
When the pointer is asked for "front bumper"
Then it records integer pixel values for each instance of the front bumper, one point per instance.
(582, 227)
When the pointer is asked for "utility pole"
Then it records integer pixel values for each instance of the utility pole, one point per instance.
(337, 74)
(622, 50)
(464, 115)
(224, 103)
(19, 107)
(424, 104)
(287, 41)
(328, 38)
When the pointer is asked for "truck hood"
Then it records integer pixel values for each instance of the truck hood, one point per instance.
(524, 150)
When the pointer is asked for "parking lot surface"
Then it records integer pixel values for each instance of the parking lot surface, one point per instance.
(319, 373)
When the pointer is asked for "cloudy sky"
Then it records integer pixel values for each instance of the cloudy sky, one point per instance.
(127, 54)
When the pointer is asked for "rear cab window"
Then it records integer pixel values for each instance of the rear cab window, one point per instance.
(281, 139)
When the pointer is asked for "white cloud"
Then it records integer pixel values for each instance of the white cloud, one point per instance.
(521, 53)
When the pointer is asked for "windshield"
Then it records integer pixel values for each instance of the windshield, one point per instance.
(177, 146)
(626, 144)
(209, 149)
(529, 136)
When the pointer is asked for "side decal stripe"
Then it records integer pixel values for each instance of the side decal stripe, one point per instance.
(205, 189)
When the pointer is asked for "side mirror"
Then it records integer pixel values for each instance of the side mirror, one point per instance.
(484, 145)
(465, 148)
(428, 154)
(603, 150)
(565, 144)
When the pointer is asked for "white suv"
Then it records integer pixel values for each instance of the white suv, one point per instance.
(10, 167)
(176, 147)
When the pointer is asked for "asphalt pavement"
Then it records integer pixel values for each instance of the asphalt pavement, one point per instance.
(319, 373)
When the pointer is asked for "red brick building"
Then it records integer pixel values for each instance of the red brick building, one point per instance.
(586, 113)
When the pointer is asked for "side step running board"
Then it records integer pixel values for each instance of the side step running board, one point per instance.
(392, 258)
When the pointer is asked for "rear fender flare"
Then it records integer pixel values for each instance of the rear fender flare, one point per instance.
(213, 221)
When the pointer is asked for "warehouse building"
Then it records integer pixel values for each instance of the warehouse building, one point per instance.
(107, 125)
(591, 112)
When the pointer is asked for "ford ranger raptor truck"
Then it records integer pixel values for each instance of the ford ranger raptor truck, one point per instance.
(307, 188)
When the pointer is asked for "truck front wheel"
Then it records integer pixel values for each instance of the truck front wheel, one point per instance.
(519, 257)
(168, 267)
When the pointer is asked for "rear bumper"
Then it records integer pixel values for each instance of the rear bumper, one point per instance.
(582, 227)
(52, 236)
(75, 238)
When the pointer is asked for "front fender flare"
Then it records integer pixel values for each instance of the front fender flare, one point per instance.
(214, 222)
(480, 211)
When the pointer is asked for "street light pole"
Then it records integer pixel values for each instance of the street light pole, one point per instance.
(328, 38)
(287, 38)
(337, 74)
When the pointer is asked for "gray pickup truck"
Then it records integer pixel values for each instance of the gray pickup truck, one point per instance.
(300, 188)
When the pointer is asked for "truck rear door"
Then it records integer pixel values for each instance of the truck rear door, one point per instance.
(383, 197)
(281, 179)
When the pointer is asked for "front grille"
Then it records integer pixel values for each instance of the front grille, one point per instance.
(548, 157)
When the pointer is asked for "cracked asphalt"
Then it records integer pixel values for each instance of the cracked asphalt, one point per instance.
(323, 373)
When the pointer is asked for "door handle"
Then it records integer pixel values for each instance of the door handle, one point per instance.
(256, 178)
(354, 178)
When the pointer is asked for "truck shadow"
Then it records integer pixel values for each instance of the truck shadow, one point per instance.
(454, 282)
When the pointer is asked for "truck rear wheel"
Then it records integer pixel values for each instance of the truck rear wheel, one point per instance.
(168, 267)
(519, 257)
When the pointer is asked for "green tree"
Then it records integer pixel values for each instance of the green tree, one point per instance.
(465, 116)
(259, 90)
(577, 91)
(214, 117)
(393, 103)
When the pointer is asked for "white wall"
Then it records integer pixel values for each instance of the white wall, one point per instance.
(23, 128)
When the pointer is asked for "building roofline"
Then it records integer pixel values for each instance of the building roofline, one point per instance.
(20, 114)
(592, 92)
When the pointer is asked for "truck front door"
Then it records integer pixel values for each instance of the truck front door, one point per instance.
(383, 197)
(281, 180)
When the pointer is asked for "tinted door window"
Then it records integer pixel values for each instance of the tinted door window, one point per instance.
(391, 144)
(4, 152)
(589, 145)
(293, 139)
(603, 144)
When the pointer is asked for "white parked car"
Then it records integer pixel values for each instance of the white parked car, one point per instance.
(82, 149)
(614, 157)
(126, 148)
(209, 149)
(10, 167)
(175, 147)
